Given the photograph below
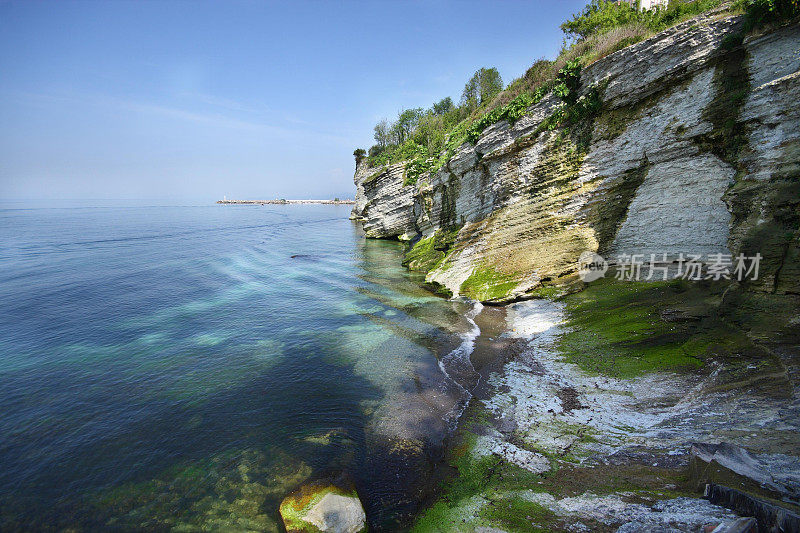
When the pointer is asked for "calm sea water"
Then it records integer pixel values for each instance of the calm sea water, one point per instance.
(186, 367)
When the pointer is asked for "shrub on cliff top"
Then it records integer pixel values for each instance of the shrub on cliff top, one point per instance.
(406, 151)
(599, 16)
(768, 11)
(602, 16)
(511, 112)
(539, 74)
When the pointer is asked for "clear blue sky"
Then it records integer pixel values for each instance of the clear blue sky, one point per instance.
(196, 100)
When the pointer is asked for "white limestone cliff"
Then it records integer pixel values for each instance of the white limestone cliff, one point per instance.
(696, 149)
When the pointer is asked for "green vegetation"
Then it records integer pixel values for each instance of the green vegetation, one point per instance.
(627, 329)
(481, 88)
(548, 291)
(372, 177)
(416, 168)
(421, 134)
(731, 88)
(641, 480)
(429, 253)
(617, 330)
(359, 154)
(487, 284)
(599, 16)
(443, 240)
(517, 514)
(602, 16)
(234, 491)
(427, 139)
(479, 484)
(486, 490)
(423, 257)
(761, 12)
(512, 111)
(297, 505)
(576, 114)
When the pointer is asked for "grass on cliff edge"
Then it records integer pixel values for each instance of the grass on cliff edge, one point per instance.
(625, 329)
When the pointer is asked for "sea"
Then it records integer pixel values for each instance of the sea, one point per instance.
(185, 367)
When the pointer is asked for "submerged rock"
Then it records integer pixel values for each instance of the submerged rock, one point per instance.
(231, 491)
(326, 505)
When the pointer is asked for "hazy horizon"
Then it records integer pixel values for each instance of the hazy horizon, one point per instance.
(196, 101)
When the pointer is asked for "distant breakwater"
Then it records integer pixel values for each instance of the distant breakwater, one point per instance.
(280, 202)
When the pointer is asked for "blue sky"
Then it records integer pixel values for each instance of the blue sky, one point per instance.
(195, 100)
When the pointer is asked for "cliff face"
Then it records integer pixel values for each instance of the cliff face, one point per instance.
(380, 194)
(695, 150)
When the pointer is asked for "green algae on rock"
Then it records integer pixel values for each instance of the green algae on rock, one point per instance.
(487, 285)
(617, 329)
(324, 506)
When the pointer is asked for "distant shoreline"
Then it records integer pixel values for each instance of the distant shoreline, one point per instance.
(283, 202)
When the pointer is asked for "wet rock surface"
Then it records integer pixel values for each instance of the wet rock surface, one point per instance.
(562, 447)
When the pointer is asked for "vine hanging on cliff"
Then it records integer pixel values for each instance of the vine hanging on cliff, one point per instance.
(575, 113)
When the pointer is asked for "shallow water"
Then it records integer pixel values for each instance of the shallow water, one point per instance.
(186, 367)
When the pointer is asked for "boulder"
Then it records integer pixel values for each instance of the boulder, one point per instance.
(325, 505)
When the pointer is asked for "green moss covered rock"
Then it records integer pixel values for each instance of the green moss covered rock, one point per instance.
(325, 505)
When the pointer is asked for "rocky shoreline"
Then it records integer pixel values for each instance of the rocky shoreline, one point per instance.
(548, 444)
(693, 150)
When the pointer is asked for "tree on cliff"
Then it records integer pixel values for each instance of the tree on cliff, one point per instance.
(481, 87)
(383, 133)
(359, 154)
(406, 123)
(443, 106)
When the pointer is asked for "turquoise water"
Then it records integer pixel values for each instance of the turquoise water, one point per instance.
(186, 367)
